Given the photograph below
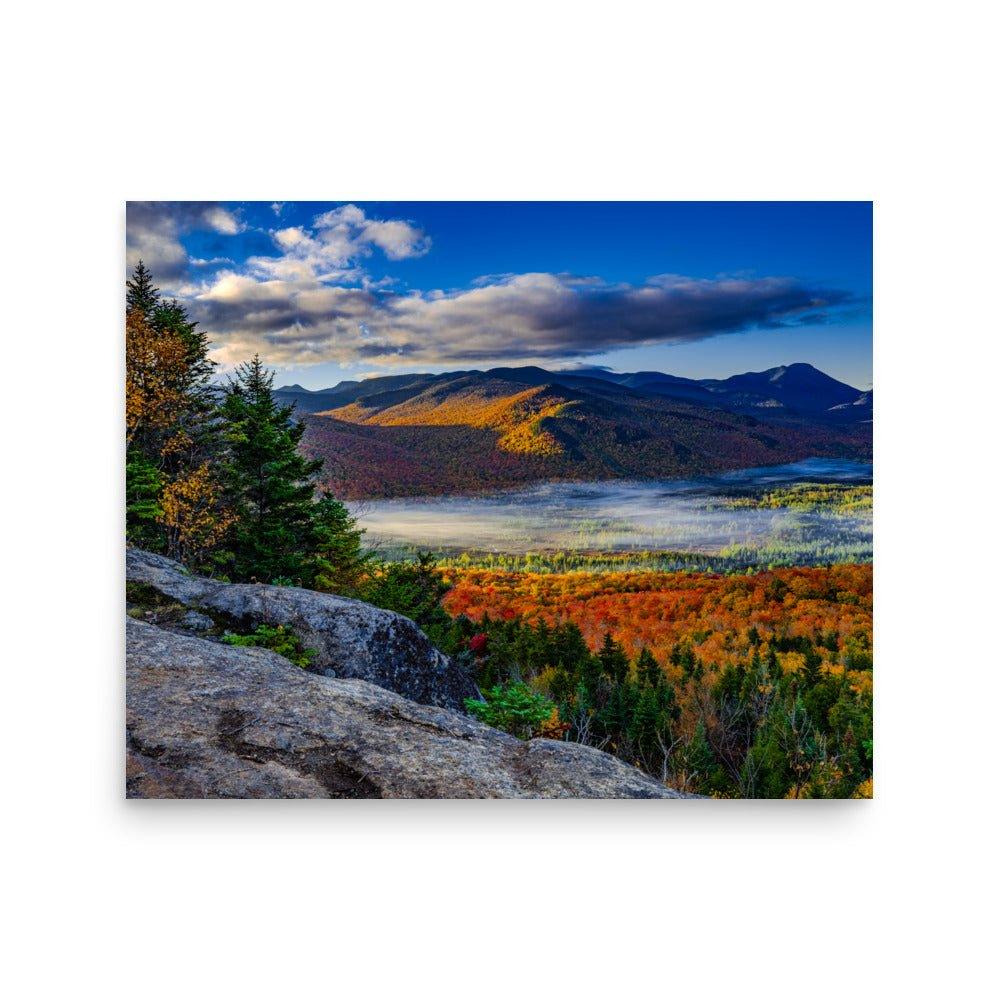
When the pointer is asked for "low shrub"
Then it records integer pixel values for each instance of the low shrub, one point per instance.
(279, 639)
(514, 708)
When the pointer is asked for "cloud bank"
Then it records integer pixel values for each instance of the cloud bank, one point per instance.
(521, 317)
(311, 300)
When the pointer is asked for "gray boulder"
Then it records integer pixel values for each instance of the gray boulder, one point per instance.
(195, 621)
(350, 638)
(206, 720)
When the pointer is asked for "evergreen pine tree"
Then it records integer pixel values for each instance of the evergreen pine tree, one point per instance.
(337, 561)
(648, 670)
(699, 761)
(812, 669)
(771, 663)
(143, 486)
(614, 662)
(172, 317)
(268, 482)
(651, 727)
(140, 293)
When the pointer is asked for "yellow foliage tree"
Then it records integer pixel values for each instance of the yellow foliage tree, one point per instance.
(193, 515)
(156, 364)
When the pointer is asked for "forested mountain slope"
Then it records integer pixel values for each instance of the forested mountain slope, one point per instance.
(459, 431)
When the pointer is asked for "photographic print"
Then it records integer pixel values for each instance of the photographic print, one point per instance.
(498, 500)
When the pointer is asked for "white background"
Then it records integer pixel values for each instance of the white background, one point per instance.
(519, 100)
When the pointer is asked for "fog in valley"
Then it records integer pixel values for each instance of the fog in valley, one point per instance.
(680, 515)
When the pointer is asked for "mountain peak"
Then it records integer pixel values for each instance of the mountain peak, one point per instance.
(346, 384)
(801, 387)
(799, 372)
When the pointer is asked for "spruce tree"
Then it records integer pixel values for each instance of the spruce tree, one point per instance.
(216, 480)
(652, 724)
(140, 293)
(698, 760)
(143, 509)
(337, 562)
(812, 669)
(648, 670)
(269, 484)
(172, 317)
(613, 659)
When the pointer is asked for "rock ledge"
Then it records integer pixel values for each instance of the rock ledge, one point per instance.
(206, 720)
(350, 638)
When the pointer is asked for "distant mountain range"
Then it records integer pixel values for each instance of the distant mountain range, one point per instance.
(416, 434)
(795, 390)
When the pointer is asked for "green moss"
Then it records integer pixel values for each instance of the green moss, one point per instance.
(144, 601)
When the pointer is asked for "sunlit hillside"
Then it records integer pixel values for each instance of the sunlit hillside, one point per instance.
(516, 414)
(473, 431)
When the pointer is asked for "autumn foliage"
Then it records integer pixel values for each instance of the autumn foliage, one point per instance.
(474, 431)
(517, 416)
(156, 366)
(754, 685)
(710, 614)
(742, 683)
(213, 474)
(193, 514)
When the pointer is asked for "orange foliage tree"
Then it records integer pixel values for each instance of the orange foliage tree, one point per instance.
(156, 363)
(174, 503)
(711, 615)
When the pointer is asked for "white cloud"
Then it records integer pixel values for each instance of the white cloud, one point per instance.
(523, 318)
(222, 221)
(398, 240)
(153, 230)
(329, 249)
(290, 237)
(210, 262)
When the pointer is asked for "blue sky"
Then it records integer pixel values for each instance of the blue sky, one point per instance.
(334, 290)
